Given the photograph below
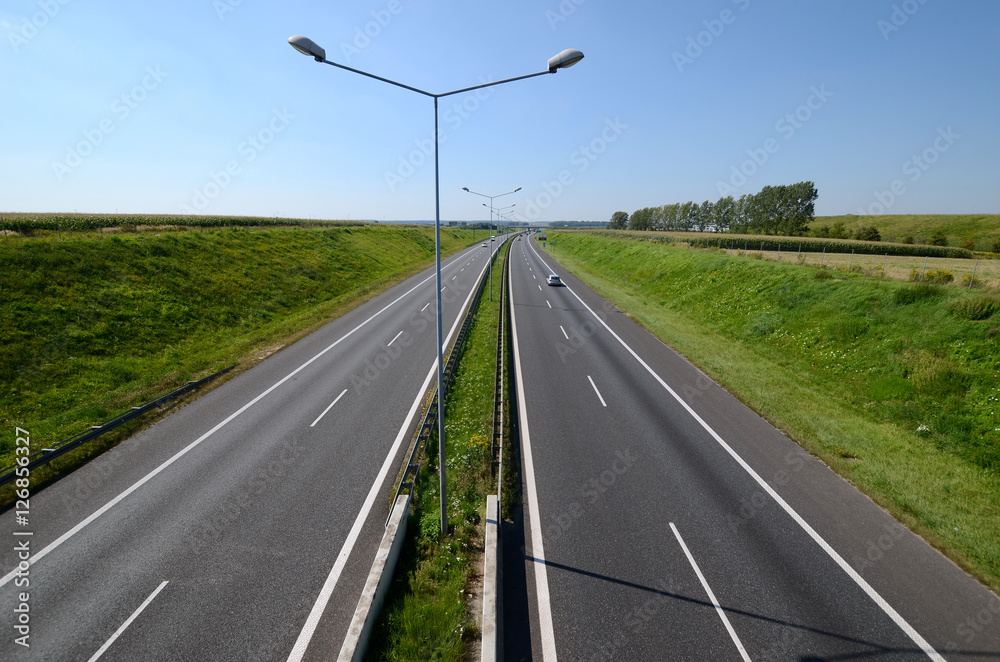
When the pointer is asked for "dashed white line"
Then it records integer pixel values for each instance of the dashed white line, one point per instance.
(539, 288)
(124, 626)
(711, 596)
(547, 301)
(396, 338)
(329, 407)
(561, 328)
(861, 582)
(595, 387)
(425, 306)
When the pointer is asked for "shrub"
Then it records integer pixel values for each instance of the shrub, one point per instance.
(972, 284)
(908, 239)
(941, 276)
(969, 243)
(996, 246)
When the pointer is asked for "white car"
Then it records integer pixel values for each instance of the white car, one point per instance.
(484, 244)
(553, 280)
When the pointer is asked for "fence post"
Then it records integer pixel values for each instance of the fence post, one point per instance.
(884, 259)
(973, 279)
(924, 270)
(822, 260)
(850, 265)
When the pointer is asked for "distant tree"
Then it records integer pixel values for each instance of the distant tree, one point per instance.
(838, 230)
(641, 219)
(868, 233)
(619, 221)
(938, 238)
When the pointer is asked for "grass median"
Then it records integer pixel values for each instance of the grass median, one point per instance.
(894, 385)
(430, 612)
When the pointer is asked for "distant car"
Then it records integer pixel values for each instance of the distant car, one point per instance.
(553, 280)
(484, 244)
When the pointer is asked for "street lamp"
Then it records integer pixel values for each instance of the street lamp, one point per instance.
(499, 195)
(563, 60)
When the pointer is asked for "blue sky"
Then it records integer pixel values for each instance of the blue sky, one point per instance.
(201, 106)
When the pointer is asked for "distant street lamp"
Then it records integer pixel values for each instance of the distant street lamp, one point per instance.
(563, 60)
(498, 195)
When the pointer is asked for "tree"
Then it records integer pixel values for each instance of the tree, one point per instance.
(868, 233)
(938, 238)
(619, 221)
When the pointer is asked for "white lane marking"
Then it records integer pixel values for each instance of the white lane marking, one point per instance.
(454, 277)
(547, 301)
(565, 335)
(425, 306)
(396, 338)
(537, 551)
(539, 288)
(326, 592)
(900, 622)
(443, 289)
(534, 276)
(711, 596)
(179, 454)
(329, 407)
(597, 392)
(124, 626)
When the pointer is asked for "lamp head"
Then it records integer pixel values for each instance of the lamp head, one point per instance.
(564, 60)
(307, 46)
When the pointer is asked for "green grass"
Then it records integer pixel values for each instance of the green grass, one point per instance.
(983, 230)
(94, 325)
(894, 385)
(427, 614)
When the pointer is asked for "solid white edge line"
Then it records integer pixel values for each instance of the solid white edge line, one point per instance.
(711, 595)
(142, 481)
(565, 335)
(396, 338)
(823, 544)
(537, 551)
(329, 407)
(326, 592)
(597, 392)
(124, 626)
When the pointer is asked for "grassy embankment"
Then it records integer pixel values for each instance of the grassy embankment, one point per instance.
(428, 613)
(94, 325)
(894, 385)
(982, 230)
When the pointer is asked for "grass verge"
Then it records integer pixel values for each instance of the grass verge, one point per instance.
(428, 614)
(95, 325)
(894, 385)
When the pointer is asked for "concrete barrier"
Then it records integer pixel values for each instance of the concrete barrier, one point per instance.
(379, 579)
(492, 630)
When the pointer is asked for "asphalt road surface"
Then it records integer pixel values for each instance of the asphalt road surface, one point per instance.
(663, 520)
(241, 527)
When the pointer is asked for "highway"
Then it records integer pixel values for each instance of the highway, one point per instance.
(664, 520)
(242, 526)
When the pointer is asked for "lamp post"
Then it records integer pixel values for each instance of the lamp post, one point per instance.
(499, 195)
(563, 60)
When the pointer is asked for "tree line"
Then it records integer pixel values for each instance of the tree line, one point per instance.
(777, 210)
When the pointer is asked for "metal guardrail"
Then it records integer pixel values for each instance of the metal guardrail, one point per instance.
(46, 455)
(428, 425)
(498, 422)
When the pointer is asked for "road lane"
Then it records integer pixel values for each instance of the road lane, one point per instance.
(619, 584)
(246, 524)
